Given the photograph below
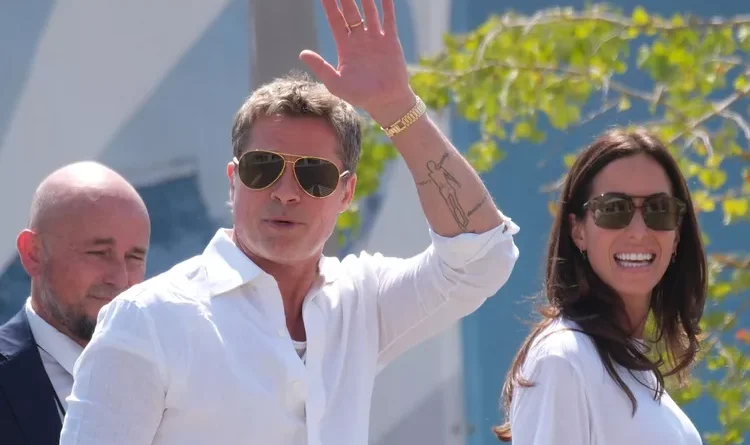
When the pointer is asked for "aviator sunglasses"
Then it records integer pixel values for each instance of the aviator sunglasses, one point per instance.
(260, 169)
(615, 211)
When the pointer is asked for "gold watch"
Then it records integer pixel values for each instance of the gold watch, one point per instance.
(409, 118)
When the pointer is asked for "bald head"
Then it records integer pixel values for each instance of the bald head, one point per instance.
(77, 185)
(87, 240)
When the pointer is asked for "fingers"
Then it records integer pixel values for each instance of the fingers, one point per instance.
(319, 67)
(351, 13)
(336, 20)
(389, 17)
(371, 15)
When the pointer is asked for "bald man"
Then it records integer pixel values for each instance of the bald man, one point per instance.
(86, 242)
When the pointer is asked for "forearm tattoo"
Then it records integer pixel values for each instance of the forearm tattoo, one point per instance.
(448, 187)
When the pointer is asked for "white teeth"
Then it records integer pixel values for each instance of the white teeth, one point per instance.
(634, 259)
(634, 256)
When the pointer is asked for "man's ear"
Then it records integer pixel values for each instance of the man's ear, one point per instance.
(30, 251)
(576, 232)
(230, 177)
(350, 186)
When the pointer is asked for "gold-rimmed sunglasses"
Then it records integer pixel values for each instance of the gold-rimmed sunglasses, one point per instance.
(260, 169)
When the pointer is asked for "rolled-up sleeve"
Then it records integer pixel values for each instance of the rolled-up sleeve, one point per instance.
(118, 397)
(421, 296)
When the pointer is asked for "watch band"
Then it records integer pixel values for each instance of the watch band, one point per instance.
(409, 118)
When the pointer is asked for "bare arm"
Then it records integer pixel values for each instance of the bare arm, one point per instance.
(372, 75)
(458, 204)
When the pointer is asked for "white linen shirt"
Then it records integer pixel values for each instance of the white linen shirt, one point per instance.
(576, 402)
(201, 354)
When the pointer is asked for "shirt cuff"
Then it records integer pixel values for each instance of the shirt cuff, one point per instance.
(464, 248)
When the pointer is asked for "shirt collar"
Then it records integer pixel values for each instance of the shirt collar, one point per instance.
(61, 347)
(228, 268)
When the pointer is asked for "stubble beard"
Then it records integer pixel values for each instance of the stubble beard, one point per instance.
(74, 318)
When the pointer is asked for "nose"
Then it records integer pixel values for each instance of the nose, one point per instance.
(286, 190)
(637, 228)
(119, 275)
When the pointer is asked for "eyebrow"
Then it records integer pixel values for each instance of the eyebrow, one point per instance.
(111, 242)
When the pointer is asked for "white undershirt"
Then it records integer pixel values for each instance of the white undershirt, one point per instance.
(575, 401)
(301, 348)
(59, 354)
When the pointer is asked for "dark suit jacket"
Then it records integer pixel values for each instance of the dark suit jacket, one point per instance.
(28, 411)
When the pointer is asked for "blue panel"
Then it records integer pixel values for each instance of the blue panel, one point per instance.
(180, 225)
(22, 25)
(492, 335)
(194, 105)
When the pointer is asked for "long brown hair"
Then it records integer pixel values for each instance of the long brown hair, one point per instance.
(575, 292)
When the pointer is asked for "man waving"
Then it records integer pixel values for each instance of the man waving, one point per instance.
(261, 339)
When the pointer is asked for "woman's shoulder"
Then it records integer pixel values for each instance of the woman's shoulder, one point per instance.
(564, 339)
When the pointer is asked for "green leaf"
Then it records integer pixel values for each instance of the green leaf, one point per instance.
(640, 16)
(743, 33)
(735, 208)
(743, 36)
(677, 20)
(714, 320)
(741, 83)
(632, 33)
(712, 179)
(484, 154)
(552, 208)
(349, 219)
(623, 104)
(703, 202)
(714, 161)
(688, 394)
(522, 130)
(720, 290)
(569, 159)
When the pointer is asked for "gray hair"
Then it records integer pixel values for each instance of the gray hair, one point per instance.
(296, 94)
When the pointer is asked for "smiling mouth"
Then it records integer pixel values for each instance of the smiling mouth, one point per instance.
(102, 298)
(634, 260)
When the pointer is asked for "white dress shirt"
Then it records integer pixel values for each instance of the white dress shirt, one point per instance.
(59, 353)
(201, 354)
(574, 400)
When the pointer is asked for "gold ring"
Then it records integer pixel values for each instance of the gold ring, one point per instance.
(361, 21)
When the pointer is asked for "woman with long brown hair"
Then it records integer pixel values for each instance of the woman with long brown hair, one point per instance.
(624, 245)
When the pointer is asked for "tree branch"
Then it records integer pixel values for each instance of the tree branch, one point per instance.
(705, 138)
(651, 98)
(602, 110)
(731, 261)
(560, 15)
(719, 107)
(734, 61)
(739, 121)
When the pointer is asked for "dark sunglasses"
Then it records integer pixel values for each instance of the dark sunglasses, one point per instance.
(260, 169)
(615, 211)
